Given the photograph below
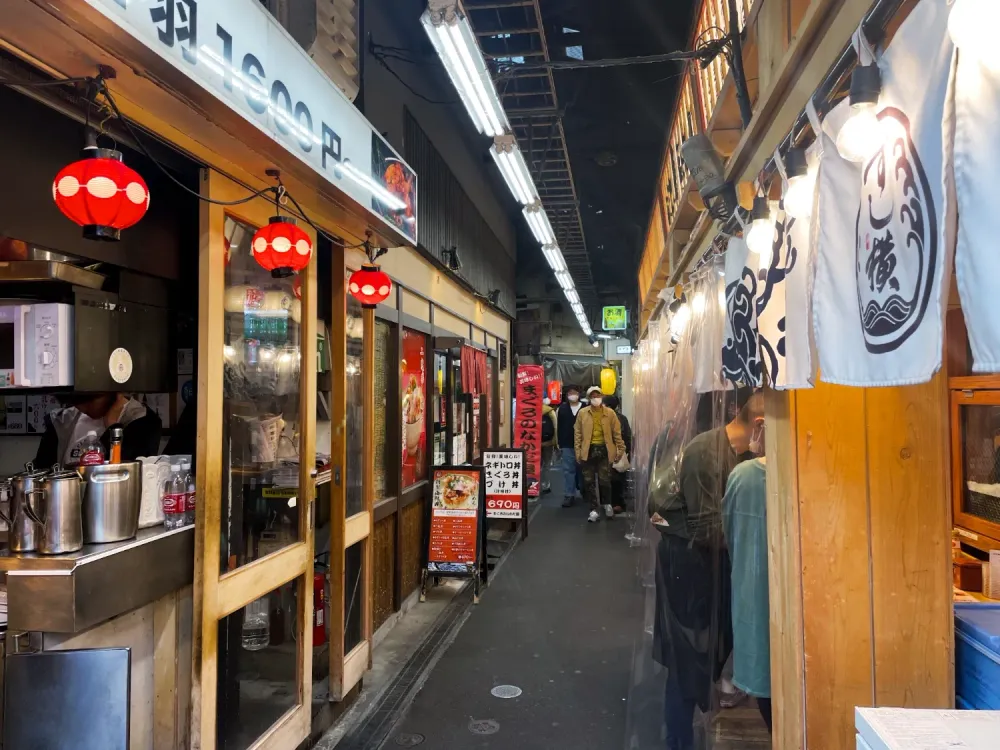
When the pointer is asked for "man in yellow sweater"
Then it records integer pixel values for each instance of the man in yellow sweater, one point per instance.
(598, 439)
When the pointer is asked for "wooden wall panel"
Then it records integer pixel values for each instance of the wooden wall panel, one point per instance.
(909, 486)
(384, 557)
(413, 546)
(784, 556)
(835, 572)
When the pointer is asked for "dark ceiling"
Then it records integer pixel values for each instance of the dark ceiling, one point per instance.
(616, 121)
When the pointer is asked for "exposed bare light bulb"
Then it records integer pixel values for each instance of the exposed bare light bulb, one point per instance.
(698, 303)
(972, 26)
(798, 197)
(760, 236)
(861, 136)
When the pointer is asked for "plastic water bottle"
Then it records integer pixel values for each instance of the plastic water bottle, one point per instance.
(189, 494)
(174, 498)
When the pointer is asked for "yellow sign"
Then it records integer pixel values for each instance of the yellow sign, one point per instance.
(615, 318)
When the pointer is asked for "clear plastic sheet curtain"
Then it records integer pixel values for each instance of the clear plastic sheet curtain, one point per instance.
(683, 459)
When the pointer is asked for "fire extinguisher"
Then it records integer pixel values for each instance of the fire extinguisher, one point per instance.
(319, 609)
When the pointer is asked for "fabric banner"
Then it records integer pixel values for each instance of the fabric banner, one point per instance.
(528, 422)
(740, 351)
(977, 165)
(783, 287)
(882, 254)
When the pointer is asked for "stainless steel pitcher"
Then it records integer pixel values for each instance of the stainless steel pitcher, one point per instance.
(24, 532)
(57, 507)
(111, 497)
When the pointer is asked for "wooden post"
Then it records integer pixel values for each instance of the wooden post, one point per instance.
(368, 469)
(338, 465)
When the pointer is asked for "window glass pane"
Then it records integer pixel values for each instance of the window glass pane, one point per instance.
(461, 416)
(260, 406)
(355, 408)
(258, 667)
(383, 345)
(981, 446)
(440, 406)
(413, 383)
(353, 573)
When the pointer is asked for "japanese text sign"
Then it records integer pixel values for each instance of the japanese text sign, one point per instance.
(528, 424)
(615, 318)
(505, 487)
(455, 513)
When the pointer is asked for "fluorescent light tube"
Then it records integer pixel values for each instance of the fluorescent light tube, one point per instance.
(565, 280)
(573, 296)
(512, 166)
(553, 255)
(538, 222)
(456, 45)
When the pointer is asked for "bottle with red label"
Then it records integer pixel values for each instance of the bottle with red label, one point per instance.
(91, 452)
(174, 498)
(189, 494)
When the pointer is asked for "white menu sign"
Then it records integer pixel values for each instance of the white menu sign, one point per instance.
(504, 483)
(238, 52)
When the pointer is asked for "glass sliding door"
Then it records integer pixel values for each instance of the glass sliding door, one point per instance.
(255, 486)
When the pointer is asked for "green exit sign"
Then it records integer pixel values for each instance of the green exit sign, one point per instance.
(615, 318)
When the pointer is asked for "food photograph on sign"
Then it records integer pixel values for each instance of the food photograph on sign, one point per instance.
(413, 377)
(454, 533)
(399, 203)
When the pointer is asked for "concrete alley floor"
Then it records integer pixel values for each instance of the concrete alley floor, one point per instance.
(559, 622)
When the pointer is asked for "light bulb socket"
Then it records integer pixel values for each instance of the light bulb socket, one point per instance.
(761, 208)
(796, 164)
(866, 84)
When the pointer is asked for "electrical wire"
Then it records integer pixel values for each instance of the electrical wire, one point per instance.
(384, 63)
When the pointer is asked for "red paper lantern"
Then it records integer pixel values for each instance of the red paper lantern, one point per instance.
(369, 285)
(101, 194)
(281, 247)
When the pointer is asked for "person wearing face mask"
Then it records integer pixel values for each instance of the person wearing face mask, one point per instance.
(565, 422)
(599, 443)
(744, 516)
(692, 634)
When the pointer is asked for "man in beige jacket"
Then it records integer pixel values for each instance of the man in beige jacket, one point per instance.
(598, 438)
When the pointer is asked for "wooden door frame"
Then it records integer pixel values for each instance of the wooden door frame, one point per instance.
(217, 594)
(347, 669)
(960, 399)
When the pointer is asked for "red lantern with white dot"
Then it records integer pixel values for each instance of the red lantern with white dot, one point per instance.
(369, 285)
(101, 194)
(281, 247)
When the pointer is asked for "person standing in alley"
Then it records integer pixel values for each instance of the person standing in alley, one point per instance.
(692, 632)
(598, 439)
(618, 477)
(548, 440)
(565, 421)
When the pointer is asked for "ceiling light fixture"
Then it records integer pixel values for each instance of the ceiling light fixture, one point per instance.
(554, 257)
(573, 296)
(510, 162)
(538, 222)
(565, 280)
(450, 256)
(456, 45)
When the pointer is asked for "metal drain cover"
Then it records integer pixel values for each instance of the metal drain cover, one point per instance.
(484, 726)
(409, 740)
(506, 691)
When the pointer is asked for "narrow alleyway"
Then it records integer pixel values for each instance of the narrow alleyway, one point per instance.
(559, 623)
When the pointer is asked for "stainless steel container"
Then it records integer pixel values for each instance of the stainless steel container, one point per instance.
(24, 532)
(112, 494)
(57, 507)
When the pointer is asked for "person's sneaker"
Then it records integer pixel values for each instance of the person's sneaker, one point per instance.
(609, 511)
(733, 699)
(567, 502)
(593, 517)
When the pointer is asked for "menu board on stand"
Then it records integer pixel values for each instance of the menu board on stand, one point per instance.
(506, 488)
(456, 545)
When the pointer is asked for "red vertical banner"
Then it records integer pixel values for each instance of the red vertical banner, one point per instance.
(528, 422)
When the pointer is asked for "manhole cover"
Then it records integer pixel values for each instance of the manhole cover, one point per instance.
(409, 740)
(484, 726)
(505, 691)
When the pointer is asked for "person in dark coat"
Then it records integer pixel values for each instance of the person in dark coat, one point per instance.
(565, 424)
